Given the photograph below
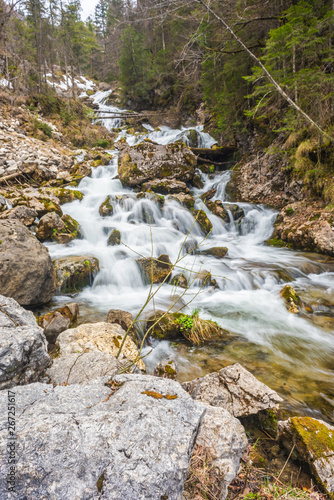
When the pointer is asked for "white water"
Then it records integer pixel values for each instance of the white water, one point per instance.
(247, 301)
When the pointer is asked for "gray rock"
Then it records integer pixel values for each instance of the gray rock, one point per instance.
(225, 439)
(58, 321)
(23, 346)
(311, 441)
(25, 215)
(26, 270)
(90, 441)
(82, 368)
(234, 389)
(74, 273)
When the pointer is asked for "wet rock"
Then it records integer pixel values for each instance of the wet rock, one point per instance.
(203, 221)
(291, 299)
(131, 440)
(234, 389)
(106, 208)
(166, 369)
(147, 161)
(23, 347)
(80, 368)
(208, 194)
(104, 337)
(3, 203)
(122, 318)
(114, 238)
(171, 326)
(24, 214)
(218, 252)
(225, 439)
(218, 209)
(190, 246)
(58, 321)
(204, 278)
(26, 270)
(313, 442)
(165, 186)
(186, 200)
(306, 226)
(237, 212)
(192, 137)
(60, 229)
(180, 280)
(197, 181)
(156, 270)
(74, 273)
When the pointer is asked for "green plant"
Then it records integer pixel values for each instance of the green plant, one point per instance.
(186, 322)
(44, 127)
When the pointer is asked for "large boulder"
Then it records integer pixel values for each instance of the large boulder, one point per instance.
(148, 161)
(131, 438)
(235, 389)
(60, 229)
(80, 368)
(224, 439)
(23, 346)
(58, 321)
(24, 214)
(312, 442)
(26, 270)
(122, 318)
(74, 273)
(156, 270)
(203, 221)
(104, 337)
(165, 186)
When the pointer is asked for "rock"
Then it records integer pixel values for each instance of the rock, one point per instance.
(217, 208)
(52, 227)
(192, 137)
(131, 440)
(58, 321)
(180, 280)
(208, 194)
(65, 195)
(171, 326)
(237, 212)
(166, 369)
(74, 273)
(106, 208)
(122, 318)
(234, 389)
(156, 270)
(291, 299)
(218, 252)
(225, 439)
(190, 246)
(165, 186)
(3, 203)
(313, 442)
(203, 221)
(82, 368)
(104, 337)
(186, 200)
(197, 181)
(148, 161)
(114, 238)
(204, 278)
(23, 347)
(24, 214)
(26, 270)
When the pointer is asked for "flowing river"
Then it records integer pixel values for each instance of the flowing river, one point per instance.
(293, 354)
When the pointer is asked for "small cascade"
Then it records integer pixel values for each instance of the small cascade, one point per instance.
(246, 301)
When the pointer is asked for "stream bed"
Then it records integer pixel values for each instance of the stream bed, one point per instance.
(293, 354)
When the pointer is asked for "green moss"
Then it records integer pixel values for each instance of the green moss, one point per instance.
(277, 242)
(314, 436)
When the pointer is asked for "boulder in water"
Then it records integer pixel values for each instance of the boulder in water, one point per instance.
(208, 194)
(23, 346)
(180, 280)
(186, 200)
(148, 161)
(291, 299)
(237, 212)
(166, 369)
(156, 270)
(58, 321)
(218, 252)
(106, 208)
(235, 389)
(74, 273)
(26, 270)
(165, 186)
(114, 238)
(203, 221)
(312, 442)
(60, 229)
(122, 318)
(217, 208)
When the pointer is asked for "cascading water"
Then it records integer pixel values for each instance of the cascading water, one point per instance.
(291, 353)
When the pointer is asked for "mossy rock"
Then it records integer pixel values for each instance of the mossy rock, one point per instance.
(66, 195)
(156, 270)
(218, 252)
(74, 273)
(291, 299)
(312, 442)
(114, 238)
(180, 280)
(203, 221)
(106, 208)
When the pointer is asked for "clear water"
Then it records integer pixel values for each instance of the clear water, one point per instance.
(294, 354)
